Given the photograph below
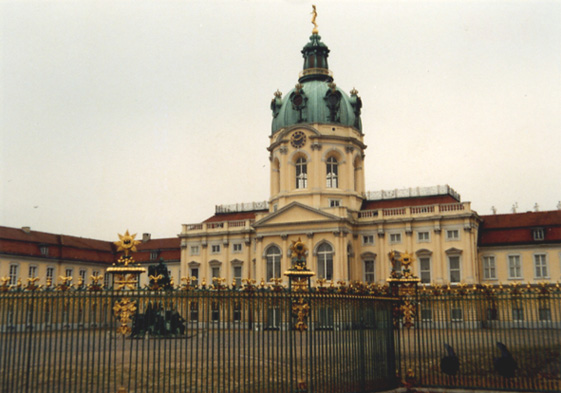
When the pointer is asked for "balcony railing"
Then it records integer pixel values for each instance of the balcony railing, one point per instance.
(218, 226)
(448, 208)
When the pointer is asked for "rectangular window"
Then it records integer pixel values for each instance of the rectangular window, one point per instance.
(215, 311)
(95, 273)
(273, 318)
(489, 268)
(153, 255)
(237, 247)
(14, 271)
(69, 273)
(237, 311)
(334, 203)
(514, 266)
(369, 270)
(544, 314)
(194, 250)
(456, 314)
(517, 314)
(454, 267)
(107, 280)
(453, 234)
(492, 314)
(426, 314)
(423, 237)
(215, 248)
(368, 240)
(82, 274)
(424, 270)
(50, 275)
(540, 266)
(195, 274)
(194, 312)
(395, 238)
(215, 272)
(32, 271)
(238, 275)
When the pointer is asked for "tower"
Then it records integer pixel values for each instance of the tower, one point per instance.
(316, 142)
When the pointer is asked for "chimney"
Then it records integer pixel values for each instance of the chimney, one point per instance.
(145, 237)
(26, 229)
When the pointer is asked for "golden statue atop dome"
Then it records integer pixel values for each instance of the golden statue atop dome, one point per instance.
(315, 15)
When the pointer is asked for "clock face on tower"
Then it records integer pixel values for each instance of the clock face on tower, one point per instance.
(298, 139)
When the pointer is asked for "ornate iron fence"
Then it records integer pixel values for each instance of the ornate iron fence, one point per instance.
(482, 337)
(209, 339)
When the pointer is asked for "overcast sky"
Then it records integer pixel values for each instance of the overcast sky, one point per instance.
(144, 115)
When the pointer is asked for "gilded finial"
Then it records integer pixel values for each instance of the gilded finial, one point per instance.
(315, 15)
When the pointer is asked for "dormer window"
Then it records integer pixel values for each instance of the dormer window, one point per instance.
(538, 233)
(154, 255)
(44, 249)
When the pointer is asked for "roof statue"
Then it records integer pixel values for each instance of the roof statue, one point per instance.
(315, 15)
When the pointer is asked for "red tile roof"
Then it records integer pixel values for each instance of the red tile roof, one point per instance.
(16, 241)
(517, 228)
(401, 202)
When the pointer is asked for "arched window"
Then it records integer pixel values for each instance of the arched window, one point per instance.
(332, 172)
(325, 261)
(301, 173)
(273, 256)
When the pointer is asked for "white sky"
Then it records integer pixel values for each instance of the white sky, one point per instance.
(143, 115)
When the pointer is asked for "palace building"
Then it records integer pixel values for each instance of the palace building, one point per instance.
(317, 194)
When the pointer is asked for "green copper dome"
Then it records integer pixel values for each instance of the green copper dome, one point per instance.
(316, 99)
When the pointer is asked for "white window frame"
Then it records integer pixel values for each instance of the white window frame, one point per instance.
(71, 270)
(332, 173)
(82, 273)
(195, 271)
(50, 273)
(394, 240)
(489, 267)
(334, 202)
(454, 238)
(421, 270)
(325, 260)
(369, 276)
(517, 269)
(195, 249)
(543, 272)
(301, 173)
(154, 255)
(459, 269)
(237, 279)
(14, 273)
(273, 262)
(421, 234)
(32, 271)
(538, 234)
(213, 270)
(367, 240)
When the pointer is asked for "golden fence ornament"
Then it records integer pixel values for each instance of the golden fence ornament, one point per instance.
(403, 284)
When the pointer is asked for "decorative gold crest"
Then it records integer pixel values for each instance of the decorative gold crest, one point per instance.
(127, 243)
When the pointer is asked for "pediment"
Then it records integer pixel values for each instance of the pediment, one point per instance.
(294, 213)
